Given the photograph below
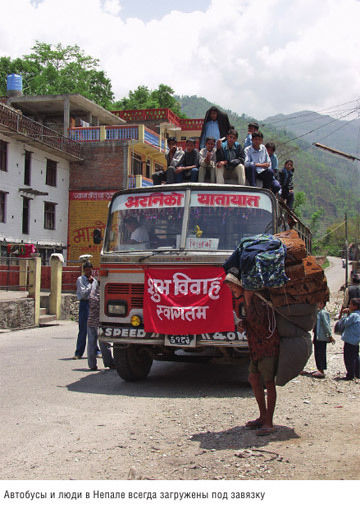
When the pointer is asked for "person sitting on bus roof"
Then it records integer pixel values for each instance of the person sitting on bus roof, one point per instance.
(270, 147)
(252, 127)
(173, 155)
(230, 157)
(286, 182)
(138, 233)
(187, 168)
(207, 159)
(216, 124)
(258, 164)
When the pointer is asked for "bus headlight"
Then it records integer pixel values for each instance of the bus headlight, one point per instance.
(116, 308)
(135, 320)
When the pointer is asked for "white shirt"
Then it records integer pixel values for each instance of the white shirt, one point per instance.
(260, 156)
(140, 235)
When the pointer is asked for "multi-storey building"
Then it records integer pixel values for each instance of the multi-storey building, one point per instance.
(34, 182)
(61, 170)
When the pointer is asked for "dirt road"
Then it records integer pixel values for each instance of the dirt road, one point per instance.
(60, 421)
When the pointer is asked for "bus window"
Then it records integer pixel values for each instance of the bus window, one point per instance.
(145, 221)
(230, 217)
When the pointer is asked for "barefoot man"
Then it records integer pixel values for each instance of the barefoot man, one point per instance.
(264, 341)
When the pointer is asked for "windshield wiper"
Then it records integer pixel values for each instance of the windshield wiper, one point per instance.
(155, 252)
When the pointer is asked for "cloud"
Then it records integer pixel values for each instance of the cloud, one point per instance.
(258, 58)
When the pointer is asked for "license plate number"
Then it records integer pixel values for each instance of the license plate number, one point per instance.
(180, 340)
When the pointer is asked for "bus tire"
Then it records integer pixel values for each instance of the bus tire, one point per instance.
(131, 364)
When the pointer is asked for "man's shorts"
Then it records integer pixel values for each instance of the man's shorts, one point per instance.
(266, 366)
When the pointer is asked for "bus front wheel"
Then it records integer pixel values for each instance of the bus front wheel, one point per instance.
(131, 363)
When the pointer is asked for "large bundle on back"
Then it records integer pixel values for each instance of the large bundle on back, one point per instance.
(295, 285)
(296, 305)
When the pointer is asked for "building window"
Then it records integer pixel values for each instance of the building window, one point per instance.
(136, 164)
(26, 216)
(27, 168)
(51, 172)
(49, 215)
(2, 206)
(148, 169)
(3, 155)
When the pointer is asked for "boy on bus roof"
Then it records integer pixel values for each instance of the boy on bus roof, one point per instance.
(173, 155)
(252, 127)
(207, 159)
(230, 157)
(187, 168)
(258, 164)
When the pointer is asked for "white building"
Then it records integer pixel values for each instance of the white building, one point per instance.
(34, 184)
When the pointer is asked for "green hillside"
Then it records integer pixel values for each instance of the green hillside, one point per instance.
(330, 183)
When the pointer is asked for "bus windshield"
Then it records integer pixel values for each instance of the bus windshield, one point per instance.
(217, 220)
(143, 221)
(220, 219)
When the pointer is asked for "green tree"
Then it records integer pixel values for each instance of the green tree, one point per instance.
(315, 219)
(144, 98)
(299, 201)
(57, 70)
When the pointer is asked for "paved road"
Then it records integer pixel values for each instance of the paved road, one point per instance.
(61, 421)
(335, 274)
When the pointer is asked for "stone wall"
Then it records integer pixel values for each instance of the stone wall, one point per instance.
(69, 307)
(18, 313)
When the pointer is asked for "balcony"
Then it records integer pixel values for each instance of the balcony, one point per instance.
(161, 115)
(17, 126)
(138, 134)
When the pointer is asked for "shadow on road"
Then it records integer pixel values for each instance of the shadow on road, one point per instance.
(170, 380)
(241, 437)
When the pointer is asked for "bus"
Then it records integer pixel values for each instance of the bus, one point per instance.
(167, 244)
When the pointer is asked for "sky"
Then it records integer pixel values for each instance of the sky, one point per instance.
(260, 57)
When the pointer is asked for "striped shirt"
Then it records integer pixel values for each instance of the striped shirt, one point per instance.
(94, 306)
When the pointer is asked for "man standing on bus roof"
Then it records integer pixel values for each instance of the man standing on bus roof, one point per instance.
(264, 344)
(84, 284)
(230, 157)
(173, 156)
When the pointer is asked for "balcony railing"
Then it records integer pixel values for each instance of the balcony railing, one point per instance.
(191, 124)
(142, 115)
(117, 133)
(158, 114)
(35, 131)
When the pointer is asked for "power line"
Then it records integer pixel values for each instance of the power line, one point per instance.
(309, 113)
(317, 128)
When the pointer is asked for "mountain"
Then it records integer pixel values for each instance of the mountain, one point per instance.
(313, 127)
(330, 183)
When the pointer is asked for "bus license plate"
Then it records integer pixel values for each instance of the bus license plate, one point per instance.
(180, 340)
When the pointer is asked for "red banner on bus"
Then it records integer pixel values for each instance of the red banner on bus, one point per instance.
(187, 301)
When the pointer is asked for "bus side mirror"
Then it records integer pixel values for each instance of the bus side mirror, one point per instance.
(97, 236)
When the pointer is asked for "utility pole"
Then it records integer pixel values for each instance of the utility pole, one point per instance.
(346, 252)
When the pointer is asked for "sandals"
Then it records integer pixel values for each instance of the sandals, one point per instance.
(318, 375)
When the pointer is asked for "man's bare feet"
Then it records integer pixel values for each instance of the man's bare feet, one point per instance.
(254, 424)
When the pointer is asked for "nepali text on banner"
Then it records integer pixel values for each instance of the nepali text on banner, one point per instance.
(187, 301)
